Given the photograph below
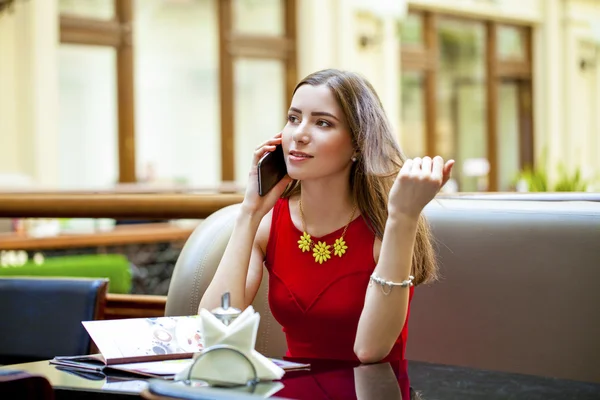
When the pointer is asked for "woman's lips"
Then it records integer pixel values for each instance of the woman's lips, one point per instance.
(298, 159)
(298, 156)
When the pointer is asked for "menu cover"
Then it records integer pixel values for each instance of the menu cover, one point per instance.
(153, 347)
(140, 345)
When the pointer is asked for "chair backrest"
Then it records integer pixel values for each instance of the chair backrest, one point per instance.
(196, 267)
(518, 291)
(41, 317)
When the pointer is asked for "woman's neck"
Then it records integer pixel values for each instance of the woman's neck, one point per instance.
(326, 203)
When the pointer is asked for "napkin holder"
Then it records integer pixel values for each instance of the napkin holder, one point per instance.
(229, 358)
(243, 375)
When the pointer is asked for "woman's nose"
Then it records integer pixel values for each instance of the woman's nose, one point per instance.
(301, 135)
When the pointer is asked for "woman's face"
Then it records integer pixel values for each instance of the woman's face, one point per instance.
(316, 139)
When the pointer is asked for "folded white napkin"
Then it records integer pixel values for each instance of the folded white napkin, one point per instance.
(229, 367)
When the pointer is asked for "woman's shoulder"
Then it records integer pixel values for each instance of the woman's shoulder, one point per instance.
(266, 224)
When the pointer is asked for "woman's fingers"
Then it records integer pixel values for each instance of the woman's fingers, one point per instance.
(406, 168)
(437, 169)
(447, 171)
(275, 140)
(416, 166)
(267, 147)
(426, 165)
(428, 169)
(261, 151)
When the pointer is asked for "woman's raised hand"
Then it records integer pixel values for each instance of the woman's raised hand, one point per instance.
(417, 183)
(253, 203)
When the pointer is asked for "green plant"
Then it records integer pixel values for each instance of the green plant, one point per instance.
(570, 183)
(115, 267)
(537, 180)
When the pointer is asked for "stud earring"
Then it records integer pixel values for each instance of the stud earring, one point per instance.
(353, 159)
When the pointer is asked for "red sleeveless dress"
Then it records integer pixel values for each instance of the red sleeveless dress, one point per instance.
(319, 305)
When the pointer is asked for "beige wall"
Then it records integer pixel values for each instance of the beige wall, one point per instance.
(10, 162)
(582, 86)
(567, 97)
(29, 91)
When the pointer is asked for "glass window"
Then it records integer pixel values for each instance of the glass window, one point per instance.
(88, 116)
(260, 108)
(413, 114)
(511, 43)
(462, 104)
(258, 17)
(98, 9)
(508, 135)
(411, 30)
(178, 136)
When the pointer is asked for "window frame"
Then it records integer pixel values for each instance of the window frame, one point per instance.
(425, 59)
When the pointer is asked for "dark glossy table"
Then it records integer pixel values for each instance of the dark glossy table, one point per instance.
(377, 381)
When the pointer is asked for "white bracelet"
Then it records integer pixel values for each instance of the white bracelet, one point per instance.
(390, 285)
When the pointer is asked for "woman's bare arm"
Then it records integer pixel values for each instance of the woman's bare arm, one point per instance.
(383, 316)
(241, 268)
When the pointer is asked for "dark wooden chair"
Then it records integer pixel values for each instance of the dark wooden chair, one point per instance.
(41, 317)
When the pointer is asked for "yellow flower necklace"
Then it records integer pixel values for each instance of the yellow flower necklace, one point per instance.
(321, 251)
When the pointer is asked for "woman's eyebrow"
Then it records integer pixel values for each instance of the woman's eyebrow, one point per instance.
(316, 113)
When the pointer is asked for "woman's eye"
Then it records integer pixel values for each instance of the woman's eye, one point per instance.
(323, 123)
(292, 118)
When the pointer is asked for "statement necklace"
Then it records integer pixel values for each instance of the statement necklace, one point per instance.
(321, 251)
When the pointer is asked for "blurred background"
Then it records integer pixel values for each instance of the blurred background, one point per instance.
(96, 93)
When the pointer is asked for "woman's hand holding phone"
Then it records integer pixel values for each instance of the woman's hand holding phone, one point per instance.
(253, 203)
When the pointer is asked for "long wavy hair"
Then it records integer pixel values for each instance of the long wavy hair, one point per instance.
(379, 160)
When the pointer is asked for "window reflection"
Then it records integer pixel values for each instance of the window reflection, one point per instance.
(461, 131)
(88, 116)
(260, 109)
(258, 17)
(508, 135)
(411, 30)
(413, 114)
(177, 92)
(98, 9)
(511, 43)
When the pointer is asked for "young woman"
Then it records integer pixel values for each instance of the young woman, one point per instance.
(342, 236)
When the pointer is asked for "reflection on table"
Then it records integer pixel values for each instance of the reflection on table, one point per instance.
(330, 380)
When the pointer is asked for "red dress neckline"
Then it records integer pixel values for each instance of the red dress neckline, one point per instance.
(335, 233)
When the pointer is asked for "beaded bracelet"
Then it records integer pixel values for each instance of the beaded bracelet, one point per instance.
(390, 285)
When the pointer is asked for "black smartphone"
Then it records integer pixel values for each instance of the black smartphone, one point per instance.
(271, 169)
